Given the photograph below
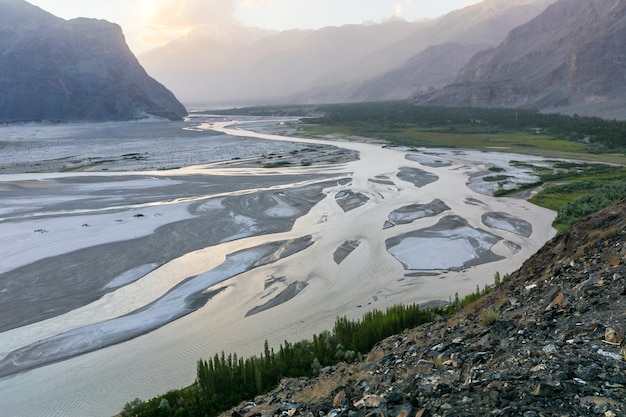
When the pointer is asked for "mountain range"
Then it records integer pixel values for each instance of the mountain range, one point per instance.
(571, 58)
(72, 70)
(563, 56)
(390, 60)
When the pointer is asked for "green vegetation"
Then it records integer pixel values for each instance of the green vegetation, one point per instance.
(403, 123)
(407, 124)
(578, 199)
(224, 381)
(277, 111)
(574, 189)
(488, 317)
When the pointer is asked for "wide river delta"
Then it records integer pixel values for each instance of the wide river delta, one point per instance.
(131, 250)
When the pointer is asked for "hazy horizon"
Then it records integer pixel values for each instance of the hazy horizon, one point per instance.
(148, 24)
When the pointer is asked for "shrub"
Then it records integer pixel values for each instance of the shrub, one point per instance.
(488, 317)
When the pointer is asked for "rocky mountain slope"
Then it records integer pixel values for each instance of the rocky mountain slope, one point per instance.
(345, 63)
(81, 69)
(571, 58)
(554, 346)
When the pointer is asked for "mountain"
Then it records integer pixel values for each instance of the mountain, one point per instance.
(430, 57)
(571, 59)
(435, 67)
(347, 63)
(76, 70)
(551, 348)
(199, 68)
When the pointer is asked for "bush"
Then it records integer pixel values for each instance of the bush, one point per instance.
(488, 317)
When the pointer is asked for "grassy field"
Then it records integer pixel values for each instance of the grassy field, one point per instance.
(517, 142)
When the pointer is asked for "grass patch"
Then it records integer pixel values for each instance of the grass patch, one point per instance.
(581, 195)
(488, 317)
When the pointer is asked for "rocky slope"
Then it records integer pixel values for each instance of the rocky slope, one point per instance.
(570, 58)
(81, 69)
(556, 347)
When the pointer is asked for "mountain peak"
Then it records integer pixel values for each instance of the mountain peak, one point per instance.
(70, 70)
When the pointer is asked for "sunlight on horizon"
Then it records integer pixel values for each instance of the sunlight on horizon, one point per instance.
(148, 24)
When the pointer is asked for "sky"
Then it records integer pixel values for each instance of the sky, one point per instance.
(151, 23)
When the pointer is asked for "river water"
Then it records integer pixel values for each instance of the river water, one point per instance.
(213, 216)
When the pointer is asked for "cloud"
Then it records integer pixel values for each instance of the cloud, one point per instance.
(165, 20)
(255, 4)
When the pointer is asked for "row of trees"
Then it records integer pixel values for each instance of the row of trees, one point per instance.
(387, 116)
(223, 381)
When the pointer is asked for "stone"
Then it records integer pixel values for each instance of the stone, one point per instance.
(559, 302)
(610, 355)
(613, 336)
(404, 411)
(543, 390)
(340, 399)
(424, 367)
(495, 385)
(395, 398)
(550, 349)
(369, 401)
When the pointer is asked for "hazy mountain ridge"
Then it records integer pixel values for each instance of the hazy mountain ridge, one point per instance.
(345, 63)
(571, 58)
(435, 67)
(278, 65)
(76, 70)
(431, 56)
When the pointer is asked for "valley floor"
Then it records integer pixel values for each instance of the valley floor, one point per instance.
(117, 276)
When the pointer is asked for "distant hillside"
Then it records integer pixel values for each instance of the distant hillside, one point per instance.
(430, 57)
(349, 63)
(435, 67)
(571, 58)
(240, 71)
(82, 69)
